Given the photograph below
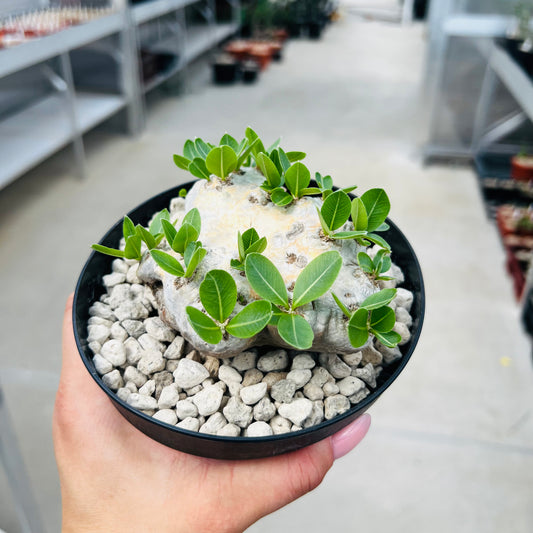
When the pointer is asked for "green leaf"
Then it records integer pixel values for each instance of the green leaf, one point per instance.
(107, 251)
(274, 145)
(296, 331)
(274, 156)
(242, 146)
(325, 228)
(198, 169)
(248, 238)
(196, 258)
(295, 156)
(243, 156)
(382, 319)
(269, 170)
(324, 182)
(359, 215)
(280, 197)
(167, 263)
(258, 246)
(128, 227)
(336, 210)
(377, 239)
(155, 226)
(383, 227)
(377, 206)
(169, 230)
(389, 339)
(379, 299)
(297, 177)
(365, 262)
(308, 191)
(146, 236)
(193, 218)
(326, 193)
(189, 150)
(132, 249)
(250, 320)
(182, 193)
(358, 328)
(189, 251)
(265, 279)
(349, 189)
(218, 293)
(241, 247)
(204, 326)
(252, 138)
(386, 264)
(342, 307)
(186, 234)
(349, 234)
(284, 160)
(316, 278)
(238, 265)
(201, 147)
(221, 161)
(228, 140)
(181, 162)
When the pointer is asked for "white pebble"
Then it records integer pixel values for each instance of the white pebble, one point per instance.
(114, 351)
(208, 400)
(175, 348)
(133, 351)
(140, 401)
(192, 424)
(169, 397)
(244, 361)
(350, 385)
(186, 409)
(228, 375)
(166, 415)
(148, 342)
(148, 388)
(151, 361)
(159, 330)
(190, 373)
(118, 332)
(101, 364)
(229, 430)
(297, 411)
(110, 280)
(134, 328)
(258, 429)
(113, 380)
(252, 394)
(274, 360)
(335, 406)
(213, 424)
(98, 333)
(303, 361)
(280, 425)
(133, 375)
(299, 377)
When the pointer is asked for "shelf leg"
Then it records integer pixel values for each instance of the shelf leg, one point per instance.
(77, 139)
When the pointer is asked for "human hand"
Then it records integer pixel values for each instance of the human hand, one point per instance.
(116, 479)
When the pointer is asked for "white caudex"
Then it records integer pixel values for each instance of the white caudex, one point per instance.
(294, 238)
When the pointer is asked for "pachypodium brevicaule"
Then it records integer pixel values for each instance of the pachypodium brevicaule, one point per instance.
(278, 305)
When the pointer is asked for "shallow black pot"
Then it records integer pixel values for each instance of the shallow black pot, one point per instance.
(90, 288)
(315, 30)
(225, 72)
(249, 71)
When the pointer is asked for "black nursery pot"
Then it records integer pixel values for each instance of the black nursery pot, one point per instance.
(90, 287)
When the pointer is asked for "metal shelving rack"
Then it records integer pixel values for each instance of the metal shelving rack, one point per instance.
(63, 116)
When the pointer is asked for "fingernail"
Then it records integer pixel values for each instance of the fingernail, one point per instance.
(350, 436)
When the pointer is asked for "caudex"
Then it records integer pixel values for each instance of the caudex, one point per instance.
(179, 250)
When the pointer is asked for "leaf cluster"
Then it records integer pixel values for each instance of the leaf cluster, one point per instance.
(374, 317)
(249, 242)
(377, 266)
(218, 295)
(135, 235)
(368, 214)
(183, 241)
(203, 159)
(314, 280)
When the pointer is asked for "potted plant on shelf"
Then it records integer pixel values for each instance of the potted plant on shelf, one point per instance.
(252, 302)
(522, 166)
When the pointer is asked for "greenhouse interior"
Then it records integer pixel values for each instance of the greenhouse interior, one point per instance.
(354, 177)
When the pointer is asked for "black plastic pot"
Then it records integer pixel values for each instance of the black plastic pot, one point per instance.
(89, 289)
(225, 70)
(249, 71)
(315, 30)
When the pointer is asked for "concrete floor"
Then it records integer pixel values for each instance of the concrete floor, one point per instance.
(451, 446)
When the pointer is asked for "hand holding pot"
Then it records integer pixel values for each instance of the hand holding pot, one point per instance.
(114, 478)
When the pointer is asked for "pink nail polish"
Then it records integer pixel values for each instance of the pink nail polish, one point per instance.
(347, 438)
